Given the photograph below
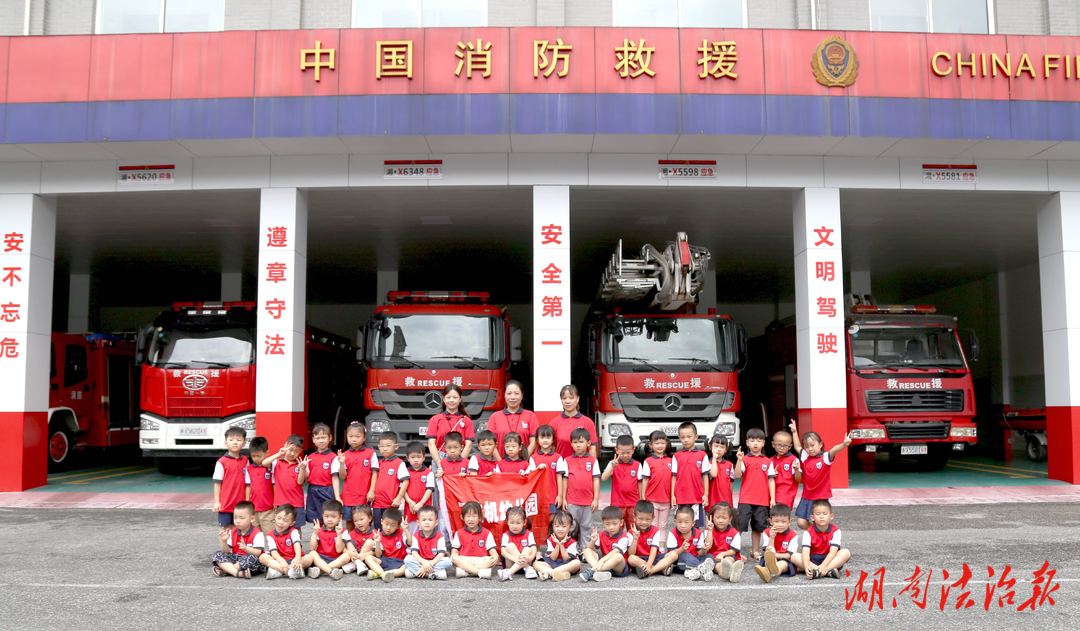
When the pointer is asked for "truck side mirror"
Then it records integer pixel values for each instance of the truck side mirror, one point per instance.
(142, 343)
(360, 344)
(973, 345)
(592, 346)
(740, 336)
(515, 343)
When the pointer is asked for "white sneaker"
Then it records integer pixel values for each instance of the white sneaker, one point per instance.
(349, 567)
(439, 575)
(409, 573)
(313, 572)
(707, 566)
(736, 571)
(706, 576)
(530, 573)
(296, 573)
(726, 565)
(361, 569)
(600, 577)
(692, 573)
(504, 575)
(485, 573)
(460, 573)
(271, 573)
(337, 573)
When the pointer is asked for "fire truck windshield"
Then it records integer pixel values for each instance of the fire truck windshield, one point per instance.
(669, 341)
(434, 338)
(903, 347)
(199, 347)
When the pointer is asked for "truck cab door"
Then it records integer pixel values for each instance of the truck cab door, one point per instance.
(118, 402)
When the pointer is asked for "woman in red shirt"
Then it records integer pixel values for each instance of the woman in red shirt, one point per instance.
(572, 419)
(452, 419)
(514, 418)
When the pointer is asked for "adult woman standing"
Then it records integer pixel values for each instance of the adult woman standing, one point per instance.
(452, 419)
(571, 419)
(514, 418)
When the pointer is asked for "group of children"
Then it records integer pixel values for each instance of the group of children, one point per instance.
(375, 514)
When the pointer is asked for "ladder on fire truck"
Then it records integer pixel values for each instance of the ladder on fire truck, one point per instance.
(673, 278)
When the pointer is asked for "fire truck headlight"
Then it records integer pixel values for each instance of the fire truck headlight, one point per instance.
(149, 425)
(868, 433)
(963, 432)
(727, 428)
(244, 423)
(150, 441)
(618, 429)
(378, 427)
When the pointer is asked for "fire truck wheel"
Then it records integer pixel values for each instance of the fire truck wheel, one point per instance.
(61, 447)
(1036, 451)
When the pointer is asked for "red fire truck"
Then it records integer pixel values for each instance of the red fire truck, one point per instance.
(909, 387)
(198, 379)
(423, 340)
(92, 395)
(653, 362)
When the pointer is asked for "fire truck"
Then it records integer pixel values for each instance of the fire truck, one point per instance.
(93, 392)
(423, 340)
(653, 363)
(198, 380)
(909, 386)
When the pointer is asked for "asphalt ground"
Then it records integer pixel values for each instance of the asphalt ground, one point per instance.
(118, 569)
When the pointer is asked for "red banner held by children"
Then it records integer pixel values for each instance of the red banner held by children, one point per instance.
(498, 493)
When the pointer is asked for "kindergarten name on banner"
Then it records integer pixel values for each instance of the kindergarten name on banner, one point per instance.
(496, 494)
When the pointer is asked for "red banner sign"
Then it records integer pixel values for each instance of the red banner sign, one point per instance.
(498, 493)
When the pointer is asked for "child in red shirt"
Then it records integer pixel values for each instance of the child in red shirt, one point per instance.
(453, 464)
(580, 492)
(284, 555)
(357, 470)
(421, 485)
(787, 467)
(545, 457)
(472, 548)
(260, 488)
(646, 542)
(721, 473)
(393, 478)
(816, 466)
(607, 550)
(391, 547)
(288, 473)
(623, 472)
(241, 546)
(327, 546)
(726, 543)
(758, 490)
(361, 543)
(514, 460)
(690, 486)
(780, 545)
(654, 476)
(229, 477)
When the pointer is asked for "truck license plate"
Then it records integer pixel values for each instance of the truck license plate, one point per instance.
(193, 431)
(670, 430)
(423, 431)
(912, 450)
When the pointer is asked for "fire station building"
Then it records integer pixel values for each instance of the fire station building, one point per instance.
(312, 155)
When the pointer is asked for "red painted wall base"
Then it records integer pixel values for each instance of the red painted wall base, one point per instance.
(24, 455)
(1063, 443)
(831, 425)
(276, 427)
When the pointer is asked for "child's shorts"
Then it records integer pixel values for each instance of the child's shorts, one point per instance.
(625, 571)
(754, 516)
(224, 519)
(817, 559)
(327, 559)
(316, 497)
(802, 511)
(791, 569)
(301, 517)
(346, 511)
(554, 563)
(391, 563)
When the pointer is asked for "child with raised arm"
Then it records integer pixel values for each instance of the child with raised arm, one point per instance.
(655, 476)
(288, 473)
(560, 560)
(472, 549)
(327, 546)
(546, 458)
(322, 476)
(393, 478)
(721, 471)
(688, 545)
(786, 465)
(484, 463)
(228, 477)
(452, 464)
(690, 466)
(580, 487)
(726, 543)
(259, 487)
(283, 555)
(758, 489)
(607, 550)
(361, 543)
(427, 551)
(241, 545)
(518, 545)
(623, 472)
(780, 544)
(358, 468)
(646, 540)
(391, 547)
(514, 460)
(816, 466)
(822, 554)
(421, 484)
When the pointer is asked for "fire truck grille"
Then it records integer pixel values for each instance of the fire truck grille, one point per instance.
(417, 405)
(915, 400)
(654, 406)
(209, 407)
(917, 430)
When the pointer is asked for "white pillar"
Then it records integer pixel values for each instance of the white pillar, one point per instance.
(551, 297)
(78, 303)
(232, 285)
(1059, 283)
(819, 316)
(282, 306)
(27, 252)
(385, 282)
